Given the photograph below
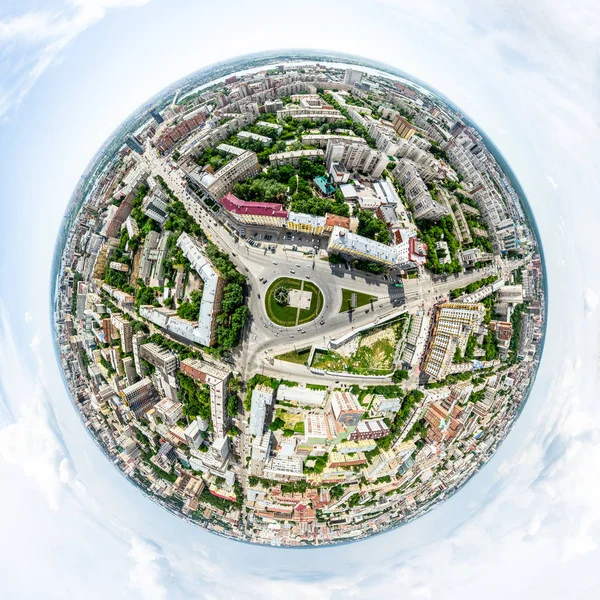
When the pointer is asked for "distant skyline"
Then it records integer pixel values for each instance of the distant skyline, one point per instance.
(527, 523)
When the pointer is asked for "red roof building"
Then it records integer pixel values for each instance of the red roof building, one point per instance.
(332, 220)
(259, 213)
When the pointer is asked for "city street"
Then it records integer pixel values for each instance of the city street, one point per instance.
(263, 339)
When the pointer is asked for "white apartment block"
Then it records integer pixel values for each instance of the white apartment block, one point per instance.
(262, 397)
(204, 330)
(278, 468)
(356, 157)
(326, 115)
(293, 157)
(216, 186)
(322, 139)
(216, 378)
(416, 192)
(454, 322)
(352, 76)
(405, 255)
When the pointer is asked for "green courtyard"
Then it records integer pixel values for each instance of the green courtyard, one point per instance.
(284, 301)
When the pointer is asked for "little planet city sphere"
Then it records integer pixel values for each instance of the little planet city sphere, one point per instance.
(300, 298)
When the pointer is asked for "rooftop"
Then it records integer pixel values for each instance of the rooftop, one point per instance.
(233, 204)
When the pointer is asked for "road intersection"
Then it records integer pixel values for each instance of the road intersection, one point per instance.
(265, 340)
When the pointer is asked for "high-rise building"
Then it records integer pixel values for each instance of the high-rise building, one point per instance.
(261, 447)
(113, 227)
(262, 397)
(129, 368)
(404, 128)
(272, 106)
(137, 340)
(352, 76)
(140, 397)
(356, 156)
(156, 115)
(134, 144)
(453, 324)
(417, 195)
(125, 329)
(216, 378)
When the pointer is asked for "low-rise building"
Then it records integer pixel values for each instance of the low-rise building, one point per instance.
(346, 408)
(305, 223)
(269, 214)
(248, 135)
(293, 157)
(170, 411)
(372, 429)
(384, 407)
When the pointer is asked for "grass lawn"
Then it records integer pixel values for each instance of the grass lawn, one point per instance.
(316, 303)
(292, 421)
(297, 356)
(286, 316)
(374, 355)
(360, 299)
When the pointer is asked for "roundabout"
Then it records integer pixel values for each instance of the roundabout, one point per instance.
(290, 302)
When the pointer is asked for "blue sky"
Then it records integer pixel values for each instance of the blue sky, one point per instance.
(528, 524)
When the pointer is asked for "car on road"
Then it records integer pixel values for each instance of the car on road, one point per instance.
(308, 277)
(298, 266)
(292, 271)
(259, 297)
(291, 336)
(274, 263)
(247, 269)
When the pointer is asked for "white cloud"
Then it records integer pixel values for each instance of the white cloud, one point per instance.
(38, 37)
(31, 441)
(590, 300)
(148, 570)
(551, 181)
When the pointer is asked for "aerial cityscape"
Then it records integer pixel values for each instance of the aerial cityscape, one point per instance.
(299, 302)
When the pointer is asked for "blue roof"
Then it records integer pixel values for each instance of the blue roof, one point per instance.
(324, 185)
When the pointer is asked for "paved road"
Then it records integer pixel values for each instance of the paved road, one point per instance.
(264, 340)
